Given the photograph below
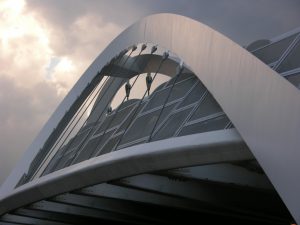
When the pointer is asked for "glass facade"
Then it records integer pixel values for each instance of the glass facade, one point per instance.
(158, 116)
(274, 51)
(168, 108)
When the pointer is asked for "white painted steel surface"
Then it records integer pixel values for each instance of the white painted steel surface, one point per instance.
(262, 105)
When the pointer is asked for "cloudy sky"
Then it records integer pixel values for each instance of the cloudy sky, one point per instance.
(45, 45)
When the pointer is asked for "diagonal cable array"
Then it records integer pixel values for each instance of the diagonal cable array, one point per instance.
(165, 56)
(178, 73)
(144, 46)
(117, 59)
(86, 137)
(94, 108)
(100, 116)
(70, 123)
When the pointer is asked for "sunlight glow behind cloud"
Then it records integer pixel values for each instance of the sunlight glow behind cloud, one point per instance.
(24, 44)
(40, 62)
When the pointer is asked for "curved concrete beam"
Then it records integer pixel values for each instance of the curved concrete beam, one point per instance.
(263, 106)
(197, 149)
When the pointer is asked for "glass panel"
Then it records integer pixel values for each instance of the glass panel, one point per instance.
(87, 127)
(258, 44)
(54, 161)
(130, 118)
(62, 151)
(194, 95)
(77, 140)
(181, 77)
(178, 91)
(63, 162)
(120, 116)
(207, 107)
(87, 150)
(292, 61)
(116, 119)
(68, 161)
(50, 167)
(294, 79)
(157, 100)
(127, 103)
(141, 127)
(92, 147)
(132, 144)
(104, 124)
(67, 149)
(272, 52)
(205, 126)
(110, 145)
(172, 125)
(166, 111)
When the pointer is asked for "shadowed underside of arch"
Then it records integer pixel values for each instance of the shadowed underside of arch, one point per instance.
(263, 106)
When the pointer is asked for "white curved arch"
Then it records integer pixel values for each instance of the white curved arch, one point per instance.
(263, 106)
(197, 149)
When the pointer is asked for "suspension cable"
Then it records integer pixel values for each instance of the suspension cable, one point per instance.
(165, 56)
(75, 116)
(87, 136)
(117, 58)
(178, 73)
(84, 113)
(123, 64)
(68, 126)
(144, 46)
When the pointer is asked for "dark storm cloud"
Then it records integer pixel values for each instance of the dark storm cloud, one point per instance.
(241, 20)
(22, 114)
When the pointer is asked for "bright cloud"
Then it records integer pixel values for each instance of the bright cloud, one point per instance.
(24, 44)
(78, 45)
(39, 63)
